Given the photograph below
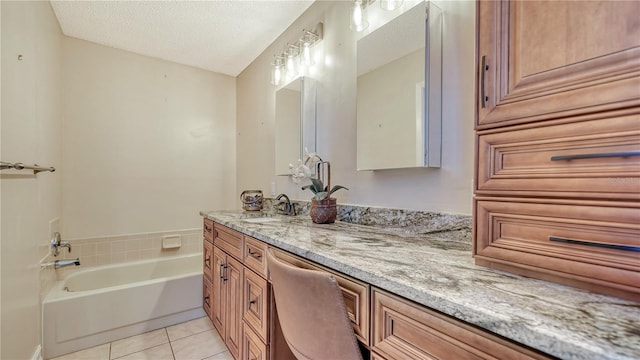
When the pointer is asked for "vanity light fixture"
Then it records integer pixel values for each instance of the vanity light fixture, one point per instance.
(297, 57)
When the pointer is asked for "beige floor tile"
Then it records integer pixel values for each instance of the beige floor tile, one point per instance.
(198, 346)
(160, 352)
(222, 356)
(100, 352)
(188, 328)
(137, 343)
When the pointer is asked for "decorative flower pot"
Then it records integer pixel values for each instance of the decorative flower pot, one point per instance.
(323, 211)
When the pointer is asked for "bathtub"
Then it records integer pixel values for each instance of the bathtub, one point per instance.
(102, 304)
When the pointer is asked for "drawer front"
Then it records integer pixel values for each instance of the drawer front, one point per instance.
(254, 255)
(206, 296)
(256, 303)
(207, 230)
(207, 255)
(229, 240)
(589, 159)
(354, 292)
(404, 330)
(252, 347)
(590, 242)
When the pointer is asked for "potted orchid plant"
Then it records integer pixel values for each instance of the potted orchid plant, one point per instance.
(323, 206)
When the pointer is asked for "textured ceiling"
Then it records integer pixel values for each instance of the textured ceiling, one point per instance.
(223, 36)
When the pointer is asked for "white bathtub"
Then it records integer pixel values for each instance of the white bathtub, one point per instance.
(107, 303)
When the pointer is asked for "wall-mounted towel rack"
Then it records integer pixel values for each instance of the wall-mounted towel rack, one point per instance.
(20, 166)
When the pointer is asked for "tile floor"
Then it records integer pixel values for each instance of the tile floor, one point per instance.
(191, 340)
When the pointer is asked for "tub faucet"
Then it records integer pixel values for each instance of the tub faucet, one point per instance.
(64, 263)
(57, 243)
(285, 206)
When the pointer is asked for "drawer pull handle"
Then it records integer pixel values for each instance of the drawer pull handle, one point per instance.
(207, 260)
(484, 69)
(597, 244)
(255, 255)
(207, 228)
(251, 302)
(595, 156)
(206, 299)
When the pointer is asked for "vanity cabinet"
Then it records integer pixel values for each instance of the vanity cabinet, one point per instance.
(390, 327)
(541, 60)
(557, 175)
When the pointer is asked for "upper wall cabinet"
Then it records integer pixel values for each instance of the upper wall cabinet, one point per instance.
(550, 59)
(399, 92)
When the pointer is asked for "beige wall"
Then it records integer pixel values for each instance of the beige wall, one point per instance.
(147, 143)
(31, 133)
(448, 189)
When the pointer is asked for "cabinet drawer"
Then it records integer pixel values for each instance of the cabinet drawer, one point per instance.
(206, 296)
(593, 245)
(207, 230)
(252, 347)
(256, 303)
(589, 159)
(229, 240)
(254, 255)
(354, 292)
(404, 330)
(207, 255)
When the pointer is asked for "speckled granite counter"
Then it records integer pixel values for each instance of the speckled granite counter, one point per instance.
(437, 270)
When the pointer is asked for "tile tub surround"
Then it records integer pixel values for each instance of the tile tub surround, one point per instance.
(439, 273)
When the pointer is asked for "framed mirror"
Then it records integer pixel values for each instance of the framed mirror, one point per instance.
(295, 122)
(399, 92)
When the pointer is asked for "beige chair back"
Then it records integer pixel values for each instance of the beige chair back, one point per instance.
(312, 313)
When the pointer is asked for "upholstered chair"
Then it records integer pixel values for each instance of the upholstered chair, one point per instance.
(312, 313)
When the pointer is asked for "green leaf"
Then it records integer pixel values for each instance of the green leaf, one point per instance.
(336, 188)
(321, 195)
(317, 185)
(310, 187)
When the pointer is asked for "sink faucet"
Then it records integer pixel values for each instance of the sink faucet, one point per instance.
(64, 263)
(285, 206)
(57, 243)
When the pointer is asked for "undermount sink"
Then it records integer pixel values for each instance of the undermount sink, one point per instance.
(262, 220)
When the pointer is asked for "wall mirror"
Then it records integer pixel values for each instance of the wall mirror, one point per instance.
(295, 122)
(399, 71)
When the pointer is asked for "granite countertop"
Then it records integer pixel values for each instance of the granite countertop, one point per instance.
(438, 271)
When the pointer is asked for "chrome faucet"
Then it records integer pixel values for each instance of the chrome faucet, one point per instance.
(57, 243)
(285, 206)
(64, 263)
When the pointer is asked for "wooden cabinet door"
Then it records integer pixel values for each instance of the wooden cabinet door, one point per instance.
(539, 60)
(218, 291)
(207, 255)
(252, 347)
(233, 280)
(256, 303)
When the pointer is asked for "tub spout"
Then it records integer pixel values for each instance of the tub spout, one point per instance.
(64, 263)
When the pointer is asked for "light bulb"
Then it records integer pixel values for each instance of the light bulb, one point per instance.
(390, 4)
(358, 17)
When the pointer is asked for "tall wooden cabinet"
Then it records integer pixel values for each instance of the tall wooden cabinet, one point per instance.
(557, 185)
